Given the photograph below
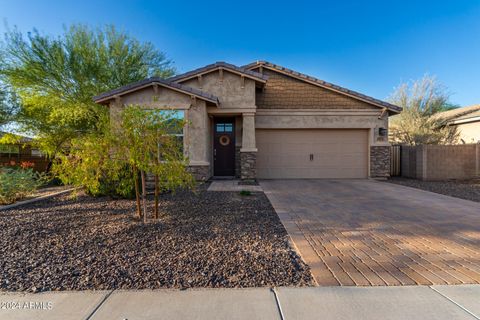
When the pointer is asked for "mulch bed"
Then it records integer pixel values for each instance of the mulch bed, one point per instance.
(468, 189)
(207, 239)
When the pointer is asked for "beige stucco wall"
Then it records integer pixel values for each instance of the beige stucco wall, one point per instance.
(232, 91)
(469, 132)
(197, 133)
(352, 119)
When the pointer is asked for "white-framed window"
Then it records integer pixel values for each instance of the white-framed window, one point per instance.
(175, 114)
(180, 115)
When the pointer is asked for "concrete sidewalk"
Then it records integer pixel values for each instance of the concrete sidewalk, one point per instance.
(407, 302)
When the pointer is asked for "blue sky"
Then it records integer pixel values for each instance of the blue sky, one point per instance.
(369, 46)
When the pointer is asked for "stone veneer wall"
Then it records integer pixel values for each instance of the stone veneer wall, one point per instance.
(248, 165)
(200, 173)
(380, 161)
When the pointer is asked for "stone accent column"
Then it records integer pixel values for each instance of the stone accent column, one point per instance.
(249, 165)
(248, 152)
(380, 162)
(199, 172)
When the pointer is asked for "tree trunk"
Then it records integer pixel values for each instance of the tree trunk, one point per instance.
(144, 196)
(137, 192)
(156, 197)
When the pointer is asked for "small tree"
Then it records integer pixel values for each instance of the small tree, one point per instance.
(142, 142)
(421, 101)
(147, 143)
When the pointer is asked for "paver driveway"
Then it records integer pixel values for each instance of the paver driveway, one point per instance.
(362, 232)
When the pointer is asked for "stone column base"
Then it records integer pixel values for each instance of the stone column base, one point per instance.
(380, 162)
(248, 165)
(200, 173)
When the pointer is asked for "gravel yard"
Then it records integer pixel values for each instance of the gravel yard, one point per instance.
(469, 190)
(208, 239)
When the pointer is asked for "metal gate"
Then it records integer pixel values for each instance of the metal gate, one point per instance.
(395, 160)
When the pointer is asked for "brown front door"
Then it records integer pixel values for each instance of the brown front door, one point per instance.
(224, 147)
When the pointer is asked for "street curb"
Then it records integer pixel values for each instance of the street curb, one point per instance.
(21, 203)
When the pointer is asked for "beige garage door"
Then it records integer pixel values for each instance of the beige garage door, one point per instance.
(312, 154)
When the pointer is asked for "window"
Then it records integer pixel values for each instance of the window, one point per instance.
(224, 127)
(174, 118)
(9, 149)
(220, 127)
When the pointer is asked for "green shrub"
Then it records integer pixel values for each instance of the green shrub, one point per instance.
(122, 185)
(245, 193)
(17, 183)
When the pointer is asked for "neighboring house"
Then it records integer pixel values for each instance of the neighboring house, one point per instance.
(269, 122)
(466, 120)
(21, 152)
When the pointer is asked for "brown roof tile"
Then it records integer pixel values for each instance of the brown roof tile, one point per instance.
(457, 114)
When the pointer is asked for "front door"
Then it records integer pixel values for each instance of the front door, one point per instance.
(224, 147)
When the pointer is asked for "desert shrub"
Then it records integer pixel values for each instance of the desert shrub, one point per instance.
(17, 183)
(245, 193)
(122, 185)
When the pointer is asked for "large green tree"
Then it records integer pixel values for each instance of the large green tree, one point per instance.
(419, 123)
(55, 78)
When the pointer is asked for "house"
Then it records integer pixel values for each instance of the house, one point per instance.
(21, 151)
(265, 121)
(466, 120)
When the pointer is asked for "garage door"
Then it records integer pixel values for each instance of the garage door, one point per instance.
(312, 154)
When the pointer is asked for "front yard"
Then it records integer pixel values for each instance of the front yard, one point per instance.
(468, 189)
(208, 239)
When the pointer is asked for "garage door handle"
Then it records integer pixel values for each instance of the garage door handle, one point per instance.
(311, 156)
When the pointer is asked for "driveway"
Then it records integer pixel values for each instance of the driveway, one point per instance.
(363, 232)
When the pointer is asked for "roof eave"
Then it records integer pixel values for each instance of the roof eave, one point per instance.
(103, 98)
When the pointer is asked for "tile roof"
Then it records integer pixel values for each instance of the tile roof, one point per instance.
(251, 74)
(165, 83)
(458, 113)
(470, 115)
(324, 84)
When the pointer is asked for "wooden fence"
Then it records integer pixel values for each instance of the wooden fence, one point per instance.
(395, 160)
(39, 163)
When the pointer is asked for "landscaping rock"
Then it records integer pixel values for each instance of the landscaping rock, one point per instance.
(464, 189)
(203, 239)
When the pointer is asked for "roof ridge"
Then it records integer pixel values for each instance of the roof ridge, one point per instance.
(218, 64)
(323, 83)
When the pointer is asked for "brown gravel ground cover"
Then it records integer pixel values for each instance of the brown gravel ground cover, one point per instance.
(468, 189)
(207, 239)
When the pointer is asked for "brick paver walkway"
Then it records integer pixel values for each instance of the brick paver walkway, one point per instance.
(361, 232)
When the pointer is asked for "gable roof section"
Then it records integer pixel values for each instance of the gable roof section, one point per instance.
(324, 84)
(220, 65)
(101, 98)
(458, 114)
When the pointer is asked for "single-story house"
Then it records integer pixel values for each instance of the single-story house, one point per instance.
(265, 121)
(20, 152)
(466, 120)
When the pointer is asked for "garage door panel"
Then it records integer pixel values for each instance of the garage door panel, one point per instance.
(285, 154)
